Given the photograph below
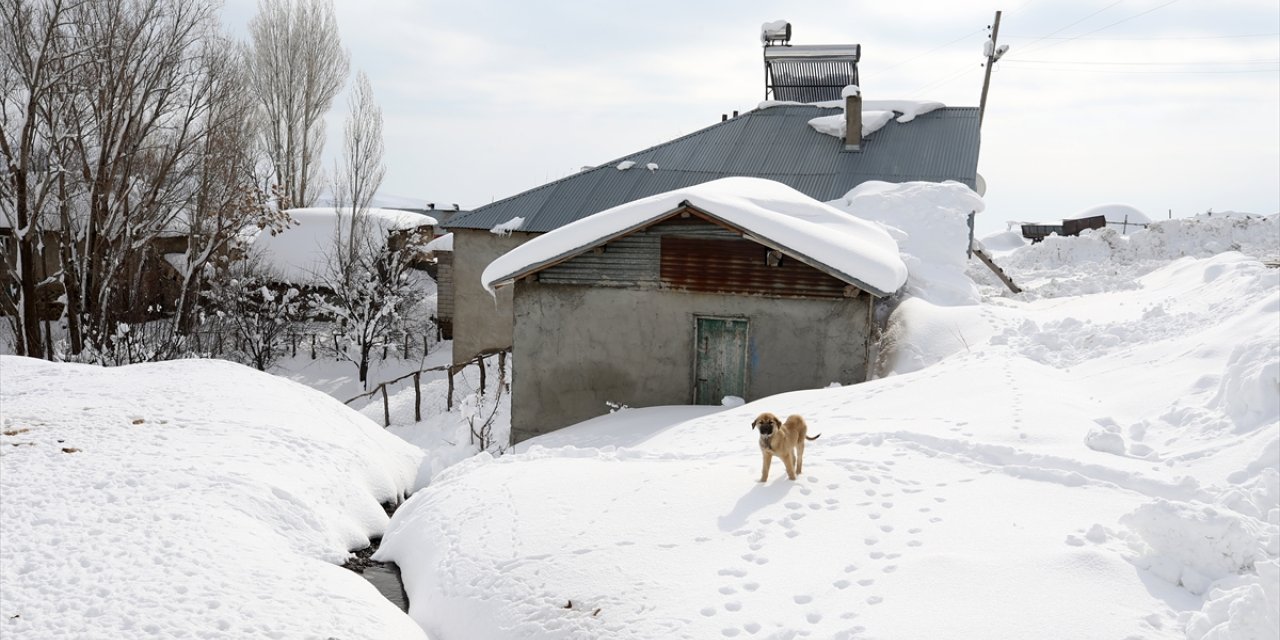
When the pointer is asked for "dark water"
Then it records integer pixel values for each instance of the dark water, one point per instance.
(386, 577)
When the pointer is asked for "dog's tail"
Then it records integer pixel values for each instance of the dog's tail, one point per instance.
(813, 437)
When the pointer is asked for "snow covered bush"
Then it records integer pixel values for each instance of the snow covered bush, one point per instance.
(256, 314)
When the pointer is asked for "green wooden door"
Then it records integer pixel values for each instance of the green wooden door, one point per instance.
(720, 364)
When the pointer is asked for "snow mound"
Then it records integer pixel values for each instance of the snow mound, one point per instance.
(1106, 260)
(1192, 545)
(930, 223)
(189, 498)
(1115, 214)
(1240, 608)
(875, 114)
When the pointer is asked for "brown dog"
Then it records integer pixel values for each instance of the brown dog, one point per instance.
(782, 439)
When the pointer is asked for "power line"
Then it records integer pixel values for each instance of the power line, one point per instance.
(1057, 31)
(1147, 71)
(941, 46)
(1165, 64)
(1121, 21)
(1242, 35)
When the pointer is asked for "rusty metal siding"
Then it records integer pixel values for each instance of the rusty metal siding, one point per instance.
(627, 261)
(739, 266)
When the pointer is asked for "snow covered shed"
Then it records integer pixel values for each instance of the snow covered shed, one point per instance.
(775, 142)
(737, 287)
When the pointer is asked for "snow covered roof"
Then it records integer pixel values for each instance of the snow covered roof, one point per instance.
(817, 234)
(299, 254)
(776, 143)
(443, 243)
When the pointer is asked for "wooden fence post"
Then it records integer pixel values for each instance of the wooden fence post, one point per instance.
(480, 361)
(502, 370)
(417, 396)
(449, 397)
(386, 407)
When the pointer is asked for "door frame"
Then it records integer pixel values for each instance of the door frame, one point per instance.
(746, 350)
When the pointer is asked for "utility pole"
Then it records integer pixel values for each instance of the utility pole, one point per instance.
(993, 54)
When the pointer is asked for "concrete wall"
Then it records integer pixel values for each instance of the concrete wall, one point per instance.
(479, 321)
(577, 347)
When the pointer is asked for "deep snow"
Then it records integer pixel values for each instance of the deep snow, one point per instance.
(1098, 457)
(193, 498)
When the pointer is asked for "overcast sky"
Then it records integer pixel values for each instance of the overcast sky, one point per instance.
(1162, 105)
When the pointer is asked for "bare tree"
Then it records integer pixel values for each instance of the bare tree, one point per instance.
(142, 116)
(297, 66)
(227, 202)
(34, 54)
(362, 170)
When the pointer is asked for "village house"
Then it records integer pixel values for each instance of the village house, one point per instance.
(303, 253)
(807, 146)
(739, 287)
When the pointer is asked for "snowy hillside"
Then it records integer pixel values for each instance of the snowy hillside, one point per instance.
(1098, 458)
(194, 498)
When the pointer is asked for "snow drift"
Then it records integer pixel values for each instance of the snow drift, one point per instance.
(189, 498)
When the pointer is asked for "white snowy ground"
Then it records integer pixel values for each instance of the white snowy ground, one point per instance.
(1097, 458)
(188, 499)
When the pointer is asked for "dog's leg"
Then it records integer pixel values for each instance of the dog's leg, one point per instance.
(788, 459)
(768, 458)
(800, 454)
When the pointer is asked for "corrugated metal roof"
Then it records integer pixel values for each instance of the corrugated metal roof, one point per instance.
(775, 143)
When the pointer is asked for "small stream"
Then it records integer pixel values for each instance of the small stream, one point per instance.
(385, 576)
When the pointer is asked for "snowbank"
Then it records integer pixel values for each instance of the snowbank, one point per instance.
(1116, 214)
(194, 498)
(860, 251)
(930, 223)
(1114, 453)
(301, 253)
(1106, 260)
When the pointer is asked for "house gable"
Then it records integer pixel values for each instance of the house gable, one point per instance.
(690, 250)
